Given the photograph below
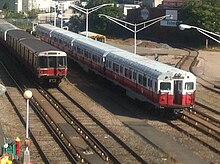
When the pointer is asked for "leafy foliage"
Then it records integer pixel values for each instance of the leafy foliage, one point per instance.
(93, 3)
(32, 13)
(76, 24)
(101, 24)
(96, 24)
(6, 6)
(9, 14)
(202, 13)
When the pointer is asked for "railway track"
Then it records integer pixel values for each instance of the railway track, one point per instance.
(43, 141)
(101, 140)
(55, 125)
(90, 125)
(202, 117)
(58, 126)
(56, 134)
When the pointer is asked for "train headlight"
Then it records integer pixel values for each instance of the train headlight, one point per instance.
(42, 71)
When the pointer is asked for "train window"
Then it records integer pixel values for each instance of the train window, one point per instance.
(61, 61)
(99, 61)
(22, 49)
(165, 86)
(155, 86)
(30, 56)
(149, 83)
(42, 62)
(189, 86)
(94, 58)
(135, 76)
(144, 81)
(89, 54)
(109, 64)
(106, 64)
(116, 67)
(140, 79)
(121, 69)
(78, 50)
(26, 55)
(86, 54)
(130, 74)
(74, 48)
(34, 61)
(18, 48)
(127, 73)
(51, 61)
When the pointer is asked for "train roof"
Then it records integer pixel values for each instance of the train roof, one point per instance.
(47, 26)
(145, 64)
(99, 46)
(59, 32)
(37, 45)
(140, 63)
(3, 21)
(79, 39)
(67, 34)
(19, 34)
(7, 26)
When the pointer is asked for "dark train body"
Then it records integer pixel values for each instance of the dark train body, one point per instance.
(164, 86)
(46, 62)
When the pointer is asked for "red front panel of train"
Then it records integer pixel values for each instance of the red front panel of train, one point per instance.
(165, 99)
(170, 100)
(52, 72)
(188, 99)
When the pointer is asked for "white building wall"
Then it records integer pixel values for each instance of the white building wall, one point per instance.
(128, 7)
(157, 2)
(43, 5)
(18, 6)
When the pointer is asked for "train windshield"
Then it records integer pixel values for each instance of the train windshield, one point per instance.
(165, 86)
(52, 61)
(61, 61)
(189, 86)
(42, 62)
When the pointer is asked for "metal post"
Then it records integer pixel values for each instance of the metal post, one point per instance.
(27, 95)
(87, 22)
(135, 31)
(55, 15)
(135, 38)
(27, 119)
(203, 31)
(88, 11)
(61, 22)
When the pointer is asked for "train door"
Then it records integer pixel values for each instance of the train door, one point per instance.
(52, 67)
(178, 91)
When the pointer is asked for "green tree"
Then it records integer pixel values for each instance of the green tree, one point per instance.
(76, 24)
(103, 25)
(96, 24)
(93, 3)
(202, 13)
(6, 6)
(32, 13)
